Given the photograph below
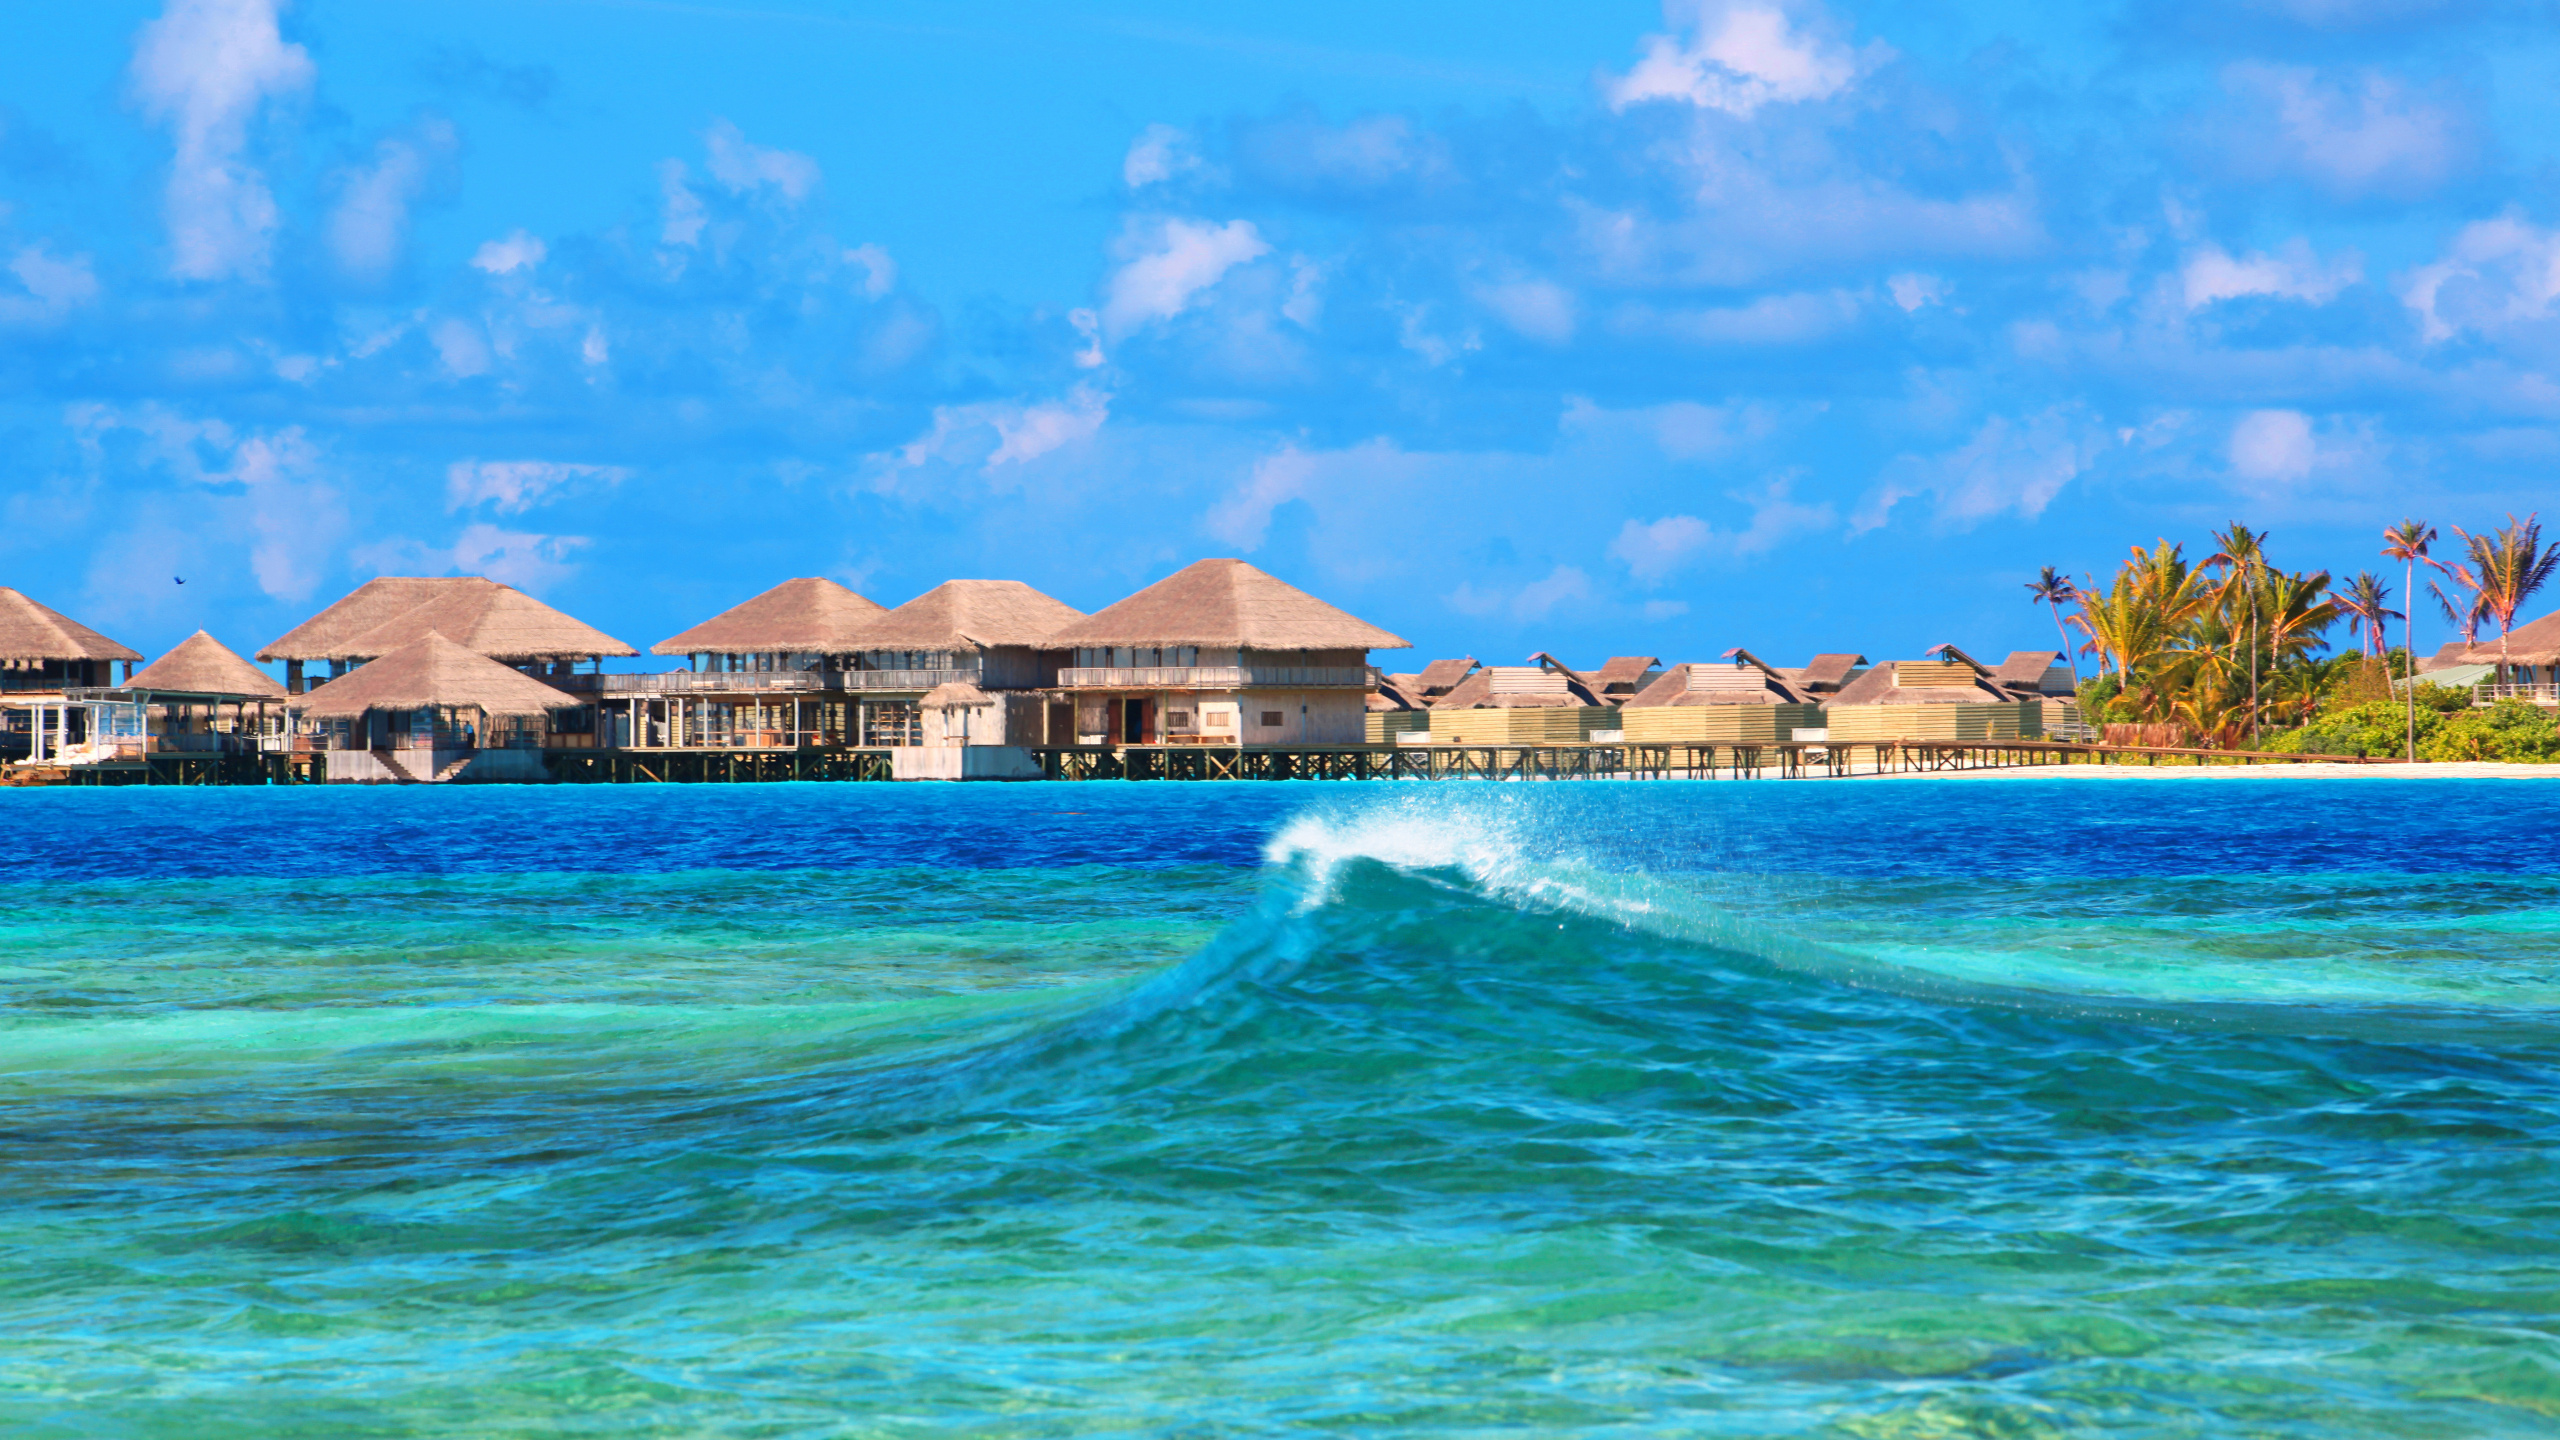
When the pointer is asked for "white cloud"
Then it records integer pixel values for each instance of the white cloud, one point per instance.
(1737, 58)
(205, 67)
(1158, 154)
(879, 272)
(2008, 467)
(1912, 291)
(510, 487)
(268, 490)
(681, 214)
(1794, 319)
(55, 287)
(2356, 134)
(2292, 273)
(514, 557)
(1654, 551)
(1242, 517)
(462, 348)
(2273, 445)
(371, 220)
(1536, 600)
(1169, 263)
(1538, 309)
(997, 433)
(741, 167)
(518, 251)
(2496, 273)
(1035, 430)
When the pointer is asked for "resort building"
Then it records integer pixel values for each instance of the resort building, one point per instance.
(2042, 677)
(44, 657)
(771, 672)
(1953, 697)
(1218, 653)
(1744, 701)
(2530, 658)
(1545, 702)
(1399, 708)
(1824, 675)
(430, 711)
(986, 644)
(201, 698)
(480, 615)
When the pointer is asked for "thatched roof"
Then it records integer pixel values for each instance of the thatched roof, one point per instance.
(1441, 676)
(1547, 685)
(478, 614)
(1623, 676)
(968, 615)
(1829, 672)
(1222, 603)
(954, 694)
(2024, 669)
(2535, 643)
(29, 631)
(202, 665)
(1882, 685)
(1745, 680)
(432, 670)
(2447, 655)
(809, 616)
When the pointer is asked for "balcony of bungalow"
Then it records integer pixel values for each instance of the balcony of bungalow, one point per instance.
(45, 657)
(1190, 667)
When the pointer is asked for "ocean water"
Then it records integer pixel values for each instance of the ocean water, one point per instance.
(2014, 1108)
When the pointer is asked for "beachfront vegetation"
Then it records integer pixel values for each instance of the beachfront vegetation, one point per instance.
(2232, 651)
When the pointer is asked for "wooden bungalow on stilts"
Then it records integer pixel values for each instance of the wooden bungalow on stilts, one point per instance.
(2040, 678)
(779, 671)
(482, 616)
(1953, 697)
(46, 657)
(1399, 710)
(1218, 653)
(1744, 701)
(1545, 702)
(201, 698)
(431, 711)
(992, 637)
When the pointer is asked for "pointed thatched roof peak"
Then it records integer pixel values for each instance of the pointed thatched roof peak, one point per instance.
(1226, 602)
(202, 665)
(29, 631)
(969, 615)
(432, 670)
(473, 611)
(810, 615)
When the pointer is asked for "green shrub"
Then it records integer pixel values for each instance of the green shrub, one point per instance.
(2509, 730)
(2376, 728)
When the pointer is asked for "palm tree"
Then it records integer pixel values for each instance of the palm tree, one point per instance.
(2139, 618)
(2243, 562)
(2366, 603)
(2055, 590)
(2407, 543)
(2513, 564)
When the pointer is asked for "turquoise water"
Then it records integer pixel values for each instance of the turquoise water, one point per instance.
(2015, 1108)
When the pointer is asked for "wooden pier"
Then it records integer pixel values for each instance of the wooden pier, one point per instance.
(1560, 761)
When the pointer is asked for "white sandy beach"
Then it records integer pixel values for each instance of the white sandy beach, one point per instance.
(2310, 770)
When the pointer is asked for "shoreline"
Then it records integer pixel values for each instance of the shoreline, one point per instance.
(2307, 770)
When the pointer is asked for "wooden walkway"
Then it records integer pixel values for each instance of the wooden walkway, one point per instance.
(658, 766)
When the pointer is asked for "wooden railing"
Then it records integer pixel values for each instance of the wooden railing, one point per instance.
(2490, 694)
(1211, 677)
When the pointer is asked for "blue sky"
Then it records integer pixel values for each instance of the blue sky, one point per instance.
(1602, 328)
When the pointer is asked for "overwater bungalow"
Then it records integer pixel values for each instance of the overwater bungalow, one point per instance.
(1743, 701)
(1823, 676)
(200, 698)
(431, 711)
(1952, 697)
(1218, 653)
(1545, 702)
(773, 671)
(2042, 678)
(45, 656)
(478, 614)
(986, 647)
(1399, 709)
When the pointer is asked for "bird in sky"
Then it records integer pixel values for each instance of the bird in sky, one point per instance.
(181, 579)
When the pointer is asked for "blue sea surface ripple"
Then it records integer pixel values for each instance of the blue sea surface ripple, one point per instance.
(2010, 1108)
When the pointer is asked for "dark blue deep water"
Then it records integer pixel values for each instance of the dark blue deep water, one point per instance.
(1915, 1108)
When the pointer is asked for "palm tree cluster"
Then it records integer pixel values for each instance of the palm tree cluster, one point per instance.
(2226, 646)
(2219, 647)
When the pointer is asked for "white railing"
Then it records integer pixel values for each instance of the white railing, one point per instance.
(2541, 694)
(1212, 677)
(757, 682)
